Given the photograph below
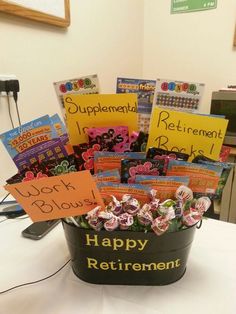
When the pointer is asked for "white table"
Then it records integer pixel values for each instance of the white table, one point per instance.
(208, 286)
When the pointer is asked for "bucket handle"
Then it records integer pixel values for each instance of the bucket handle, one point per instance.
(199, 224)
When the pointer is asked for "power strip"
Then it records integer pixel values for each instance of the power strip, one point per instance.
(6, 84)
(5, 77)
(9, 88)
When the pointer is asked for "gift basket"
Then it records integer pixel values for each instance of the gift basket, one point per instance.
(129, 209)
(129, 244)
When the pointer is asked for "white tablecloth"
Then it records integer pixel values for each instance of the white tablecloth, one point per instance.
(208, 286)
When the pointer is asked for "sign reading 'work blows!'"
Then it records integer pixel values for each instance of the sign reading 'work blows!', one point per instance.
(62, 196)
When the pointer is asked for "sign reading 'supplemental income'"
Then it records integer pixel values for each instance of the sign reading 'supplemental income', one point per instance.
(86, 111)
(187, 133)
(62, 196)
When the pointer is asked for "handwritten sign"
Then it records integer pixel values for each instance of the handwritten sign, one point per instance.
(187, 133)
(57, 197)
(86, 111)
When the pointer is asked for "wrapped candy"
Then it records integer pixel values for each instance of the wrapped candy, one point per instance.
(94, 220)
(195, 212)
(154, 201)
(191, 217)
(130, 204)
(93, 213)
(183, 193)
(144, 215)
(105, 214)
(95, 223)
(166, 207)
(160, 225)
(179, 209)
(115, 206)
(126, 220)
(112, 223)
(202, 204)
(168, 216)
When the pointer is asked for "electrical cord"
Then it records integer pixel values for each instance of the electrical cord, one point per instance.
(9, 110)
(2, 200)
(18, 113)
(13, 215)
(36, 281)
(3, 220)
(15, 96)
(21, 218)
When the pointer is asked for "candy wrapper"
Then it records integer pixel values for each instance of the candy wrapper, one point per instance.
(158, 153)
(113, 139)
(139, 145)
(26, 175)
(35, 171)
(44, 169)
(129, 213)
(224, 153)
(154, 152)
(84, 155)
(59, 166)
(132, 140)
(132, 167)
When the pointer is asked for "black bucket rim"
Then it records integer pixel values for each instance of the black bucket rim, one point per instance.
(130, 231)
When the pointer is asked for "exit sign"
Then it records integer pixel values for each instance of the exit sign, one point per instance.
(183, 6)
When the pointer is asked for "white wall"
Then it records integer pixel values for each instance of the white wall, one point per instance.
(105, 37)
(194, 47)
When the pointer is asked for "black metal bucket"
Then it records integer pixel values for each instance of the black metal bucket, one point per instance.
(128, 258)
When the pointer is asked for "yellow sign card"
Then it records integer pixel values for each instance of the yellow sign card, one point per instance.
(61, 196)
(187, 133)
(97, 110)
